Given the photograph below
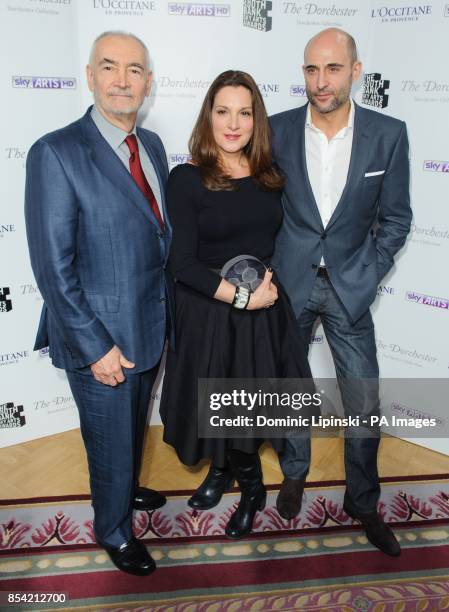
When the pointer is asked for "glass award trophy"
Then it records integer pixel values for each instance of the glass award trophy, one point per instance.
(244, 270)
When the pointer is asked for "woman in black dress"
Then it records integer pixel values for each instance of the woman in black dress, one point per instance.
(226, 203)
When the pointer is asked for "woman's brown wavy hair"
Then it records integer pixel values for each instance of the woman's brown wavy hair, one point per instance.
(204, 149)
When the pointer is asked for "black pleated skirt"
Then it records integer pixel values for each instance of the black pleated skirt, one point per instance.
(215, 340)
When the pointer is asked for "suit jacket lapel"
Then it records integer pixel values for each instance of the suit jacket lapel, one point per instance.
(303, 165)
(359, 152)
(111, 166)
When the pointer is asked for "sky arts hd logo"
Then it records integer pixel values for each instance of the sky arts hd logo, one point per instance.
(39, 82)
(174, 159)
(298, 91)
(198, 9)
(427, 300)
(11, 416)
(5, 300)
(436, 166)
(374, 87)
(255, 15)
(317, 339)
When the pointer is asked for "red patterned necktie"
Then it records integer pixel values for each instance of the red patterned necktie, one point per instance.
(138, 175)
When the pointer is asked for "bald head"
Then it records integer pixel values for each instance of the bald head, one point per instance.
(330, 37)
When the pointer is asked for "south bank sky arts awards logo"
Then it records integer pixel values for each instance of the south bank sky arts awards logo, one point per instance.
(11, 416)
(5, 300)
(401, 14)
(43, 82)
(374, 93)
(198, 9)
(256, 15)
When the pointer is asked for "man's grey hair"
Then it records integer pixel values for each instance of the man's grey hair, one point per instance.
(123, 34)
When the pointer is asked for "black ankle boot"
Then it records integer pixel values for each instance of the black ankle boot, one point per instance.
(209, 493)
(254, 495)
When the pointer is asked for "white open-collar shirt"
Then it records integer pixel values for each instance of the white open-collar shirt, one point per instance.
(327, 164)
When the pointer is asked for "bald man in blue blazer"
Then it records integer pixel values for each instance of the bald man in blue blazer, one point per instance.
(99, 237)
(346, 215)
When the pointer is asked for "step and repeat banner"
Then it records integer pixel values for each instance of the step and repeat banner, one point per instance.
(403, 45)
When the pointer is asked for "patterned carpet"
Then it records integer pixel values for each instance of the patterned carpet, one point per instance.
(319, 561)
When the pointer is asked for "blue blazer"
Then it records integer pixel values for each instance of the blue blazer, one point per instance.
(370, 223)
(97, 251)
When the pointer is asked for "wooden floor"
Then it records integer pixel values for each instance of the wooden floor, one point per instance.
(56, 465)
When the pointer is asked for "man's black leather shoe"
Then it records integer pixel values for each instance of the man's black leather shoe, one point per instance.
(131, 557)
(209, 493)
(378, 533)
(147, 499)
(289, 499)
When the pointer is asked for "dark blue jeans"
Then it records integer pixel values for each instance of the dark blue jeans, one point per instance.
(353, 350)
(113, 424)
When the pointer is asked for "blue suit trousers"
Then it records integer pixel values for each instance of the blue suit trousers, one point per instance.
(113, 424)
(353, 350)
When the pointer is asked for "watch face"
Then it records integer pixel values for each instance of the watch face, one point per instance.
(244, 270)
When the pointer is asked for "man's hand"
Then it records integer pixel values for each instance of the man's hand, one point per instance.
(108, 369)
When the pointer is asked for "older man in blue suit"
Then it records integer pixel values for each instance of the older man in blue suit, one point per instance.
(99, 236)
(347, 213)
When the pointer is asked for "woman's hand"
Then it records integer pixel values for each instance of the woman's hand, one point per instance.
(265, 295)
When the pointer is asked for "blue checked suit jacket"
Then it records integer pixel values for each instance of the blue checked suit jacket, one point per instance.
(97, 251)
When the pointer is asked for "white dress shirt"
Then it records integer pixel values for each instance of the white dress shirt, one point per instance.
(327, 164)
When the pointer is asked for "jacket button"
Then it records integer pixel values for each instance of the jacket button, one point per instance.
(162, 299)
(323, 236)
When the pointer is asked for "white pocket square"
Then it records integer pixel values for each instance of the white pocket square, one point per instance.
(375, 173)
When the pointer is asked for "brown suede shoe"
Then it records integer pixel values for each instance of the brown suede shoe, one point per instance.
(378, 533)
(289, 499)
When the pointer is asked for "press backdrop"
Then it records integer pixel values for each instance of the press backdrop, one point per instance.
(404, 48)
